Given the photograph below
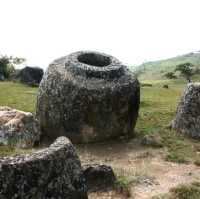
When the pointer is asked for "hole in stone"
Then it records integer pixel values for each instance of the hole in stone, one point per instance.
(94, 59)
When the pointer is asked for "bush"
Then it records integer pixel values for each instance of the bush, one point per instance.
(7, 65)
(170, 75)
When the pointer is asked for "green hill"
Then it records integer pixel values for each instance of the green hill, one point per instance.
(157, 69)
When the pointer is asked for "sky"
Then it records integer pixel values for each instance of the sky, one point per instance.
(134, 31)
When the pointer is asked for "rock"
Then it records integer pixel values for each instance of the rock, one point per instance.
(152, 141)
(54, 172)
(88, 97)
(99, 177)
(18, 128)
(29, 75)
(165, 86)
(187, 119)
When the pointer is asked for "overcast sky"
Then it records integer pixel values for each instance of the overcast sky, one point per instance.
(134, 31)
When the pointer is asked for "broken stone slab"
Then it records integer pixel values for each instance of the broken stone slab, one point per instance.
(54, 172)
(99, 177)
(187, 119)
(88, 97)
(18, 128)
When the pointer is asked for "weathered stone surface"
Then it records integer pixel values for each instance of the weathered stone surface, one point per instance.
(52, 173)
(99, 177)
(18, 128)
(187, 120)
(88, 96)
(29, 75)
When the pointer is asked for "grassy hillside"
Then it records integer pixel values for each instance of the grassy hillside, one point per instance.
(156, 70)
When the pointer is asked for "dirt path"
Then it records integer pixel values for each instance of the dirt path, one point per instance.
(165, 176)
(144, 165)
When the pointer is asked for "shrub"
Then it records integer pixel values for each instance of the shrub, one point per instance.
(7, 65)
(170, 75)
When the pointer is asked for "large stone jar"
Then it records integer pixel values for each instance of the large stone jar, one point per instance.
(88, 96)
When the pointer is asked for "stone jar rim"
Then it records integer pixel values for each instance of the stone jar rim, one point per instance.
(108, 66)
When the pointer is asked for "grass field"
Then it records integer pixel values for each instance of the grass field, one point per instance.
(158, 106)
(18, 96)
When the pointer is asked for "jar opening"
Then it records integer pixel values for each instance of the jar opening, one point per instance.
(94, 59)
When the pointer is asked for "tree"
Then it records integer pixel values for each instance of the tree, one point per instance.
(4, 61)
(170, 75)
(186, 70)
(7, 64)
